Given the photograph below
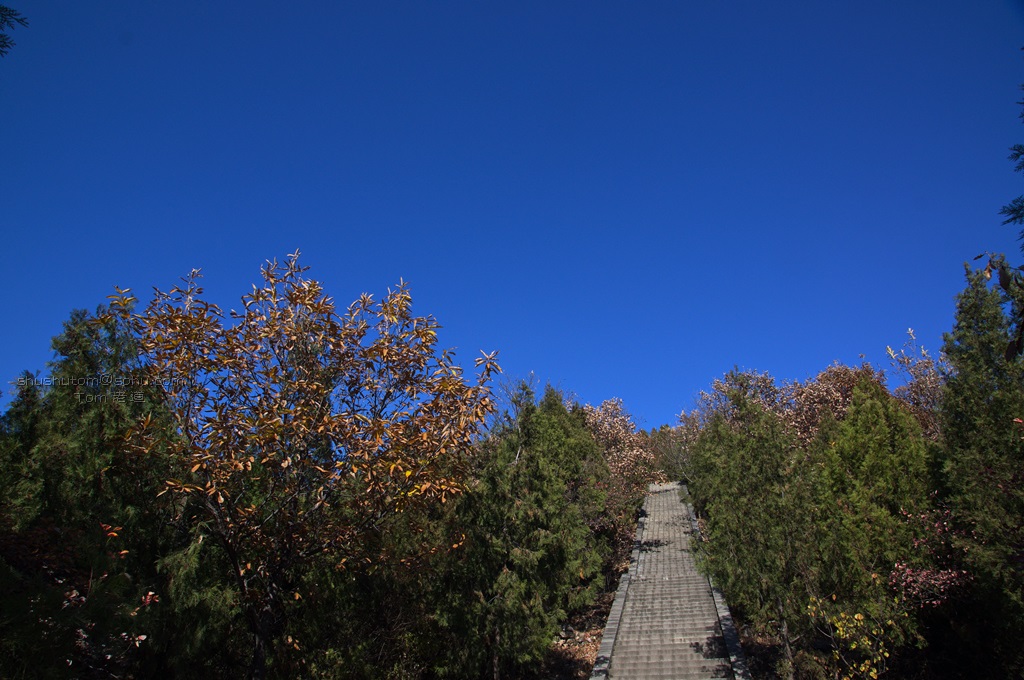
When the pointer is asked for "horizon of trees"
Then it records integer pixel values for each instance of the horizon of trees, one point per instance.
(248, 494)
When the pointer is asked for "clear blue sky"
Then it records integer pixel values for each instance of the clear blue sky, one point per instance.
(626, 198)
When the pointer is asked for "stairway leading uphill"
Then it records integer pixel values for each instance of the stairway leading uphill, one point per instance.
(667, 621)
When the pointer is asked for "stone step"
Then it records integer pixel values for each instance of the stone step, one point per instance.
(666, 621)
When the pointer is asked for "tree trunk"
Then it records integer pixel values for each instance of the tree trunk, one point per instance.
(264, 629)
(495, 659)
(259, 658)
(784, 633)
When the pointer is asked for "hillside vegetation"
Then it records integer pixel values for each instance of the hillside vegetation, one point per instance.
(294, 491)
(298, 491)
(858, 530)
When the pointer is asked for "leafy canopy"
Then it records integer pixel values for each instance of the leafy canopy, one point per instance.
(297, 430)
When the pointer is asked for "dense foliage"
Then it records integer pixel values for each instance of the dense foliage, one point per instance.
(863, 530)
(531, 551)
(294, 491)
(290, 491)
(984, 465)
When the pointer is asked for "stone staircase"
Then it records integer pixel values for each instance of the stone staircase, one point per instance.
(667, 622)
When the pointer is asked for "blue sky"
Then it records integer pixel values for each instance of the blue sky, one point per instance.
(626, 198)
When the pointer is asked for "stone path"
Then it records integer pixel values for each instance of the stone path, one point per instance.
(667, 622)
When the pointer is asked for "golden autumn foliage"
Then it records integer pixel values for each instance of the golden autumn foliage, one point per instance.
(300, 429)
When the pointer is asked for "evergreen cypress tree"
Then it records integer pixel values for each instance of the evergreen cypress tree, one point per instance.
(876, 471)
(984, 464)
(802, 537)
(529, 555)
(746, 482)
(81, 534)
(881, 452)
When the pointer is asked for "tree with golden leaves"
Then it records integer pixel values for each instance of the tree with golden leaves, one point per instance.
(299, 431)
